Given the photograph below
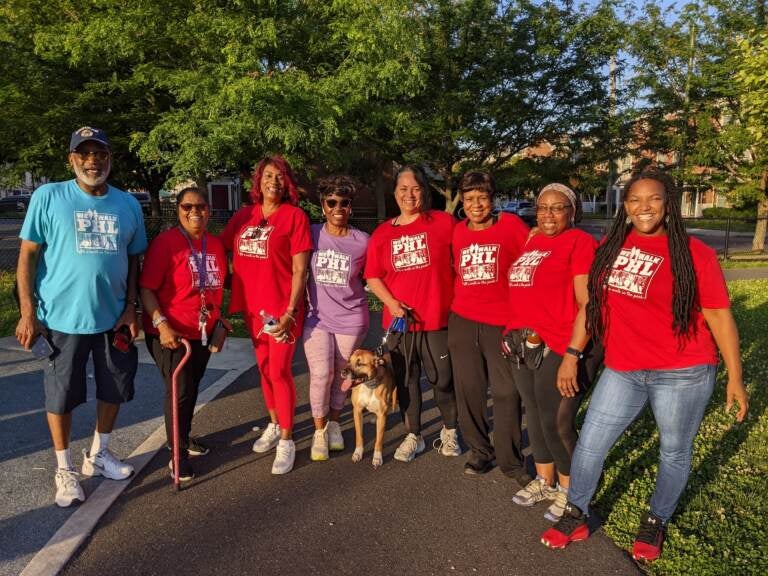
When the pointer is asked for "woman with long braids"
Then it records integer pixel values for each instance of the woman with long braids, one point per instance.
(659, 304)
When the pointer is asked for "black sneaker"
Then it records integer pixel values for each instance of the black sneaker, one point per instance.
(649, 540)
(186, 473)
(475, 468)
(573, 526)
(195, 448)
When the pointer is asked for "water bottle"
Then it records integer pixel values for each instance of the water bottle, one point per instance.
(532, 340)
(270, 324)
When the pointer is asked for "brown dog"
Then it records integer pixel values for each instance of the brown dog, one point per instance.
(373, 390)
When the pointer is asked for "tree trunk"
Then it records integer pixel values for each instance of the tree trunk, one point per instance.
(758, 241)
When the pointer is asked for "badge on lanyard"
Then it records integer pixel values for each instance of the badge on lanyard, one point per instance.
(202, 274)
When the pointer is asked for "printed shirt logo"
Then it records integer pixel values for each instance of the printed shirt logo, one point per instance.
(632, 272)
(522, 271)
(213, 279)
(332, 268)
(478, 264)
(410, 252)
(97, 232)
(254, 241)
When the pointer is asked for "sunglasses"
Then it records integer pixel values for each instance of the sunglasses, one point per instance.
(344, 203)
(189, 207)
(83, 155)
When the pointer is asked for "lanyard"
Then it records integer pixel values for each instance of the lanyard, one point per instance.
(202, 274)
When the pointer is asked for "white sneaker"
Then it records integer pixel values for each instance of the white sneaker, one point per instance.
(409, 447)
(68, 488)
(448, 443)
(268, 438)
(105, 464)
(319, 450)
(284, 457)
(555, 511)
(335, 439)
(536, 491)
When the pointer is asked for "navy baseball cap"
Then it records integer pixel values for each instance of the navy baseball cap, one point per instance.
(85, 134)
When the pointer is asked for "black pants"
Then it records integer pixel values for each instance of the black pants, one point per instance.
(477, 364)
(429, 349)
(188, 382)
(551, 417)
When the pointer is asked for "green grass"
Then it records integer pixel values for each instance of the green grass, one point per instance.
(9, 311)
(720, 526)
(763, 263)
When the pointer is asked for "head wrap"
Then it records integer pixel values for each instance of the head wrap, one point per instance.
(564, 190)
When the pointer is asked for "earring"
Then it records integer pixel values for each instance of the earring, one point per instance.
(666, 219)
(628, 220)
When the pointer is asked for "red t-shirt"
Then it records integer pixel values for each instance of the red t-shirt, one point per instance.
(481, 259)
(414, 262)
(541, 290)
(639, 333)
(171, 271)
(262, 257)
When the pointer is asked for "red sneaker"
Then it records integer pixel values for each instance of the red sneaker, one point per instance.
(649, 540)
(572, 527)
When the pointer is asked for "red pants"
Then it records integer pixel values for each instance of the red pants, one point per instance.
(274, 360)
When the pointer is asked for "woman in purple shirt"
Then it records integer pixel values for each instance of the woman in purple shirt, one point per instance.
(337, 315)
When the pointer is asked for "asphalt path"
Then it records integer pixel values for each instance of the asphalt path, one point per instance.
(28, 516)
(333, 517)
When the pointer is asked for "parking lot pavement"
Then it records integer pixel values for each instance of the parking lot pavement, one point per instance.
(28, 516)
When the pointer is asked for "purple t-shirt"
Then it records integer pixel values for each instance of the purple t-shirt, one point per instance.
(337, 301)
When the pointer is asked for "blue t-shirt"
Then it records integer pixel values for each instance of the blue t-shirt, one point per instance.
(82, 272)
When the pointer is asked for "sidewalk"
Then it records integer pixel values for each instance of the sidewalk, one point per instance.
(326, 518)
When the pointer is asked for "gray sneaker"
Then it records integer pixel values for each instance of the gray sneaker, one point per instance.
(68, 488)
(448, 443)
(537, 490)
(335, 439)
(409, 447)
(268, 438)
(555, 511)
(319, 450)
(105, 464)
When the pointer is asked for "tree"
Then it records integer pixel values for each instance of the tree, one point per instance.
(502, 76)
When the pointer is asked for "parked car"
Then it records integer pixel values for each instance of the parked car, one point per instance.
(522, 208)
(15, 203)
(144, 201)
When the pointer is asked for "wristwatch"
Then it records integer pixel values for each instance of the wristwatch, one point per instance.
(159, 320)
(574, 352)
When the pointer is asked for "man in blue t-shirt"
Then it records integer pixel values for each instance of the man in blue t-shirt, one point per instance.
(77, 278)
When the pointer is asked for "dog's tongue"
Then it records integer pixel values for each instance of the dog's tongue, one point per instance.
(346, 384)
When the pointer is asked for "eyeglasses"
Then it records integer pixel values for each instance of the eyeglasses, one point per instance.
(83, 155)
(344, 203)
(555, 209)
(188, 207)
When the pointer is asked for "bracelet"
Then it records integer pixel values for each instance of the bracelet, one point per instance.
(159, 320)
(574, 352)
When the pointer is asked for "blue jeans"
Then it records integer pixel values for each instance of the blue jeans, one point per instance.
(678, 399)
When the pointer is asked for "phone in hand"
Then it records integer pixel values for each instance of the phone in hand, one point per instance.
(122, 339)
(41, 348)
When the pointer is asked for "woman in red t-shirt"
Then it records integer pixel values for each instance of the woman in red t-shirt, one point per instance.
(182, 284)
(548, 297)
(270, 244)
(659, 304)
(408, 267)
(484, 245)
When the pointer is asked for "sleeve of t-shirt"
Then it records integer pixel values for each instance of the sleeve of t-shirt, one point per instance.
(373, 264)
(138, 243)
(583, 254)
(518, 234)
(713, 292)
(301, 238)
(155, 264)
(227, 237)
(35, 225)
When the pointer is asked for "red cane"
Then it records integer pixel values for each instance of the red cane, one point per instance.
(175, 415)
